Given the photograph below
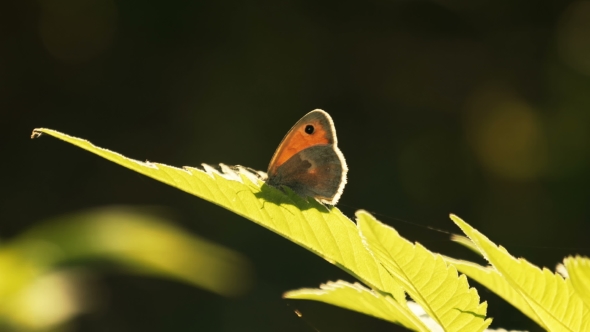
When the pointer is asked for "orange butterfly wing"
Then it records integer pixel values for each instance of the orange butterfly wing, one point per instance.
(308, 160)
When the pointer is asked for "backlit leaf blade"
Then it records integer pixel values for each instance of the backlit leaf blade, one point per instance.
(493, 280)
(578, 269)
(466, 242)
(556, 303)
(358, 298)
(320, 229)
(433, 284)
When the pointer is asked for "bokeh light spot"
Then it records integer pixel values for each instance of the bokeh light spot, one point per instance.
(506, 134)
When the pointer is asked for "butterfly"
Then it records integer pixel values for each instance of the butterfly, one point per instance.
(308, 160)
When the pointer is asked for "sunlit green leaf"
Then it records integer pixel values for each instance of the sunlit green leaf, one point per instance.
(361, 299)
(493, 280)
(466, 242)
(556, 303)
(433, 284)
(578, 269)
(322, 230)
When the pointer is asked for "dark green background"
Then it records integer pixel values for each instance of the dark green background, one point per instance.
(410, 85)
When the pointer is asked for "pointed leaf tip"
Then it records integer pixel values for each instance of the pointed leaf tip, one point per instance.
(37, 132)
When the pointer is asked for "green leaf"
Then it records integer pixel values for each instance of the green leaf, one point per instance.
(360, 299)
(320, 229)
(556, 303)
(139, 241)
(38, 290)
(493, 280)
(578, 269)
(434, 285)
(466, 242)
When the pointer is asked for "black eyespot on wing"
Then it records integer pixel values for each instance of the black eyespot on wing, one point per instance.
(309, 129)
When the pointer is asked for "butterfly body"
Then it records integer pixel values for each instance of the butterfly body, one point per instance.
(308, 160)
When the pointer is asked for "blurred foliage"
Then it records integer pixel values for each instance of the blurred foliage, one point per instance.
(41, 288)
